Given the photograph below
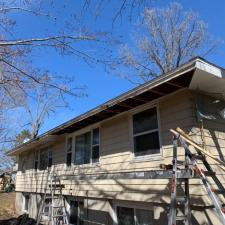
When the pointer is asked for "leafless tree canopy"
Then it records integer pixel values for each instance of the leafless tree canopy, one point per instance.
(168, 37)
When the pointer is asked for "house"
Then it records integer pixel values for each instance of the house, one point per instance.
(130, 133)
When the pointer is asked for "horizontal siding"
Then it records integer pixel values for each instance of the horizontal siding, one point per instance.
(116, 156)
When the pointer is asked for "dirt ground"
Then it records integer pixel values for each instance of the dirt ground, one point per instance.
(7, 205)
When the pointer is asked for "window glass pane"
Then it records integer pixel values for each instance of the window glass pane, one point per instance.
(43, 159)
(83, 148)
(125, 216)
(147, 144)
(49, 158)
(36, 165)
(145, 121)
(69, 145)
(95, 138)
(69, 159)
(26, 203)
(73, 212)
(81, 213)
(47, 208)
(95, 153)
(144, 217)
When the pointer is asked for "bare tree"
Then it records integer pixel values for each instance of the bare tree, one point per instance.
(168, 38)
(40, 104)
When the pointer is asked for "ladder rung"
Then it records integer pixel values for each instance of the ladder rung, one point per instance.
(53, 198)
(181, 199)
(209, 173)
(57, 216)
(219, 191)
(181, 218)
(199, 157)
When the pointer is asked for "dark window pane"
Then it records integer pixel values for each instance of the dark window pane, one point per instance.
(43, 159)
(49, 158)
(69, 159)
(69, 145)
(147, 144)
(95, 138)
(73, 212)
(125, 216)
(83, 148)
(36, 165)
(49, 162)
(26, 204)
(81, 214)
(144, 217)
(144, 121)
(95, 153)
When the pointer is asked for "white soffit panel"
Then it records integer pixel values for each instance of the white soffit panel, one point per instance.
(208, 78)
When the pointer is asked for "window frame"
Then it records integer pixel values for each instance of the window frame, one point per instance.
(81, 132)
(25, 195)
(131, 206)
(132, 135)
(78, 209)
(48, 150)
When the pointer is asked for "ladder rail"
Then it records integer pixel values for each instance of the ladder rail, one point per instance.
(57, 212)
(216, 202)
(172, 213)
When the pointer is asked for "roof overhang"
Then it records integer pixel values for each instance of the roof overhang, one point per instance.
(196, 74)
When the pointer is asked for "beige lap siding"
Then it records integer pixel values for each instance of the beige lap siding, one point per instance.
(116, 156)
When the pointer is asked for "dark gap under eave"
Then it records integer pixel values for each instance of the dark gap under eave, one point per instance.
(132, 102)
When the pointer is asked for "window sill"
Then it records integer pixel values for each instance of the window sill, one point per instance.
(89, 165)
(147, 158)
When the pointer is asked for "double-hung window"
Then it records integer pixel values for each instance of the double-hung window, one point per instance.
(87, 147)
(69, 151)
(134, 216)
(146, 133)
(76, 215)
(45, 159)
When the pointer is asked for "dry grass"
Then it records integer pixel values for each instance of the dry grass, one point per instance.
(7, 205)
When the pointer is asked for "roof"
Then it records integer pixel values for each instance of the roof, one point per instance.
(162, 85)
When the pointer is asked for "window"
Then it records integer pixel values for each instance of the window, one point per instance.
(87, 147)
(26, 202)
(45, 159)
(146, 133)
(95, 146)
(36, 160)
(47, 207)
(69, 151)
(134, 216)
(76, 216)
(49, 158)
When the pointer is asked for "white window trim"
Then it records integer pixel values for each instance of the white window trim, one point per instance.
(157, 156)
(24, 202)
(132, 206)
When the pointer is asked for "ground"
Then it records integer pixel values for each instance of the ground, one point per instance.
(7, 205)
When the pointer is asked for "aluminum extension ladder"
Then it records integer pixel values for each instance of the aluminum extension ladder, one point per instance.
(53, 209)
(177, 201)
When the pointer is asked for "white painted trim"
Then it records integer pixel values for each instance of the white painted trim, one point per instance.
(88, 129)
(131, 135)
(131, 205)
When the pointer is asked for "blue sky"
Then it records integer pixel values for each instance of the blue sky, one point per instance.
(102, 86)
